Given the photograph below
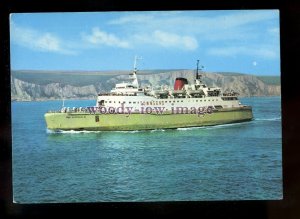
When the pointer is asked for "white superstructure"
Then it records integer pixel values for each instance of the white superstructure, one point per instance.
(130, 94)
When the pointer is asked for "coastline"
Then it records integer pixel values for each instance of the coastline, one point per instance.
(50, 99)
(80, 98)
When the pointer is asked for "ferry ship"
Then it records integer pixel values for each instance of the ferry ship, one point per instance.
(128, 106)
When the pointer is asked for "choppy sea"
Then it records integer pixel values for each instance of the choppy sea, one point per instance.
(240, 161)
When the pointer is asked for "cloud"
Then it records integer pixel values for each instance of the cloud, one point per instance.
(274, 30)
(99, 37)
(157, 37)
(166, 40)
(172, 30)
(207, 23)
(184, 30)
(267, 52)
(242, 18)
(35, 40)
(132, 18)
(173, 40)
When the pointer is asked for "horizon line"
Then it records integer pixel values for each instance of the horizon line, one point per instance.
(141, 70)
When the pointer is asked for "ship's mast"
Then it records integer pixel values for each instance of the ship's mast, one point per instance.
(198, 76)
(197, 72)
(133, 76)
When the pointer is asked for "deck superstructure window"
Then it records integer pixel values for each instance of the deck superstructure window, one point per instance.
(101, 102)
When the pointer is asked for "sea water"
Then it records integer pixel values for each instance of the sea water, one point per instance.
(240, 161)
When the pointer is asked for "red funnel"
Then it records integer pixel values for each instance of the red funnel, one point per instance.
(179, 83)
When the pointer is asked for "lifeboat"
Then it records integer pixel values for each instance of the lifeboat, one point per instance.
(176, 92)
(158, 92)
(193, 92)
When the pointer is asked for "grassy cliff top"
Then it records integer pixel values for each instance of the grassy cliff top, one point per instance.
(82, 78)
(271, 80)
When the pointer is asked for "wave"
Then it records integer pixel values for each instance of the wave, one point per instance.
(69, 132)
(85, 131)
(157, 130)
(268, 119)
(212, 126)
(190, 128)
(133, 131)
(228, 125)
(48, 131)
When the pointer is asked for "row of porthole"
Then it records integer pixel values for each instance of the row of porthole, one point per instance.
(161, 102)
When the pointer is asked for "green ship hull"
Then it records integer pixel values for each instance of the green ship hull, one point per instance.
(137, 121)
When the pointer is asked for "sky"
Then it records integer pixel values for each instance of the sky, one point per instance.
(245, 41)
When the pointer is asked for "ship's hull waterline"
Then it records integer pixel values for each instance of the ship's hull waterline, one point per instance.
(137, 121)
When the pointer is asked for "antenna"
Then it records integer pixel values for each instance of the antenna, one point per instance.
(136, 58)
(132, 75)
(198, 76)
(197, 72)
